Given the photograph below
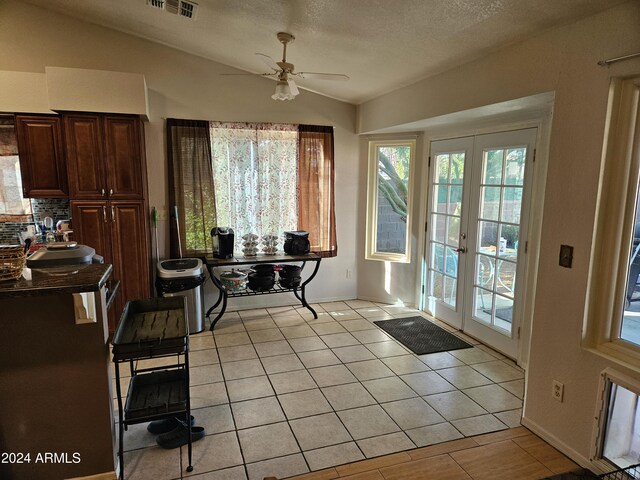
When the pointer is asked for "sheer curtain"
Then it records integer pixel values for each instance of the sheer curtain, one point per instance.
(316, 212)
(254, 173)
(190, 186)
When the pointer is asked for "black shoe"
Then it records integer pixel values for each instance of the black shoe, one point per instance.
(158, 427)
(179, 436)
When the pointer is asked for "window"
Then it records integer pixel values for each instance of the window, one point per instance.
(11, 200)
(613, 316)
(389, 200)
(253, 177)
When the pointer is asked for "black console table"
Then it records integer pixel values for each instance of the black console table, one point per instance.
(234, 262)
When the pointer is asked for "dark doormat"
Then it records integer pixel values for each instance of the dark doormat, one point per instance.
(576, 475)
(421, 336)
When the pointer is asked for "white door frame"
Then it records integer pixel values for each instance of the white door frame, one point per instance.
(541, 121)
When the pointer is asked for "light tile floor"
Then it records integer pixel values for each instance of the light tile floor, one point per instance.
(281, 393)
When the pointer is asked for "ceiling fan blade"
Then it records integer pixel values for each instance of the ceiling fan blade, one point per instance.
(293, 87)
(268, 61)
(323, 76)
(252, 74)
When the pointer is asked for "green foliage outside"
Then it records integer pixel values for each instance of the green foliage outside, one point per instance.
(393, 177)
(199, 219)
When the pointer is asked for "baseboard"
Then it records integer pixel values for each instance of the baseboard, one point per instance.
(385, 301)
(559, 445)
(281, 301)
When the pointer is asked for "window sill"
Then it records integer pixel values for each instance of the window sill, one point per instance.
(617, 353)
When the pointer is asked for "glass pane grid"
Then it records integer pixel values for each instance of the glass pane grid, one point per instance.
(501, 193)
(446, 210)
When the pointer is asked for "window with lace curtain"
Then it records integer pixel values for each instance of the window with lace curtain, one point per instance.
(255, 177)
(13, 207)
(261, 178)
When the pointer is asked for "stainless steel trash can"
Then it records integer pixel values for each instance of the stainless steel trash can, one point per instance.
(184, 277)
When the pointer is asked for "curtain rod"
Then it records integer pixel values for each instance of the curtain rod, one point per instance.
(608, 62)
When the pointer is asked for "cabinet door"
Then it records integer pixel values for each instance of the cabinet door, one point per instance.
(42, 162)
(124, 157)
(92, 226)
(87, 178)
(130, 246)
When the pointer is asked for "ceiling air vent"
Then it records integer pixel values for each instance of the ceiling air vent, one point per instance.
(182, 8)
(156, 3)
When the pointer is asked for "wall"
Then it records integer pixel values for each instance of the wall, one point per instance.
(185, 86)
(563, 60)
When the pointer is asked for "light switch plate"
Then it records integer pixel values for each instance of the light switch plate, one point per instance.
(566, 256)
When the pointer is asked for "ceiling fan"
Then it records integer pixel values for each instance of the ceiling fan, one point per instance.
(286, 88)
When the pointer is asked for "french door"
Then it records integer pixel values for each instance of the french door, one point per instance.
(477, 229)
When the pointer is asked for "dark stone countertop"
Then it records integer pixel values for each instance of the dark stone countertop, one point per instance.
(57, 280)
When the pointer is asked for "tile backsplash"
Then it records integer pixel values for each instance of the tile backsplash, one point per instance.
(56, 208)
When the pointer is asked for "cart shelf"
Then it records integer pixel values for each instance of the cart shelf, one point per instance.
(160, 393)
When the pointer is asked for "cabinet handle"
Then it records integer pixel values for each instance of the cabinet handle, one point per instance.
(104, 214)
(110, 191)
(103, 192)
(113, 214)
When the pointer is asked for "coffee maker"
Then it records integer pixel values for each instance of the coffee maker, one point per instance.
(222, 240)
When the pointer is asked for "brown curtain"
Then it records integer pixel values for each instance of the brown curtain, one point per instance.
(316, 213)
(190, 186)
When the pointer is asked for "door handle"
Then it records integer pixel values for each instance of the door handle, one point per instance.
(461, 250)
(104, 214)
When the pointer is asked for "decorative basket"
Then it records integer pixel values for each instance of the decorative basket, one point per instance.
(12, 260)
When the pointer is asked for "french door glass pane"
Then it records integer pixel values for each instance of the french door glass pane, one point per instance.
(492, 164)
(488, 236)
(457, 168)
(506, 278)
(453, 232)
(451, 262)
(514, 171)
(483, 305)
(489, 203)
(512, 204)
(449, 290)
(436, 285)
(439, 227)
(455, 200)
(440, 204)
(437, 259)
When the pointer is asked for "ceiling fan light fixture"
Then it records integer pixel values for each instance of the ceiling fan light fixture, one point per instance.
(283, 91)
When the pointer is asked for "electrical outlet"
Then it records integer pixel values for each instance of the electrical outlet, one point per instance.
(349, 273)
(557, 391)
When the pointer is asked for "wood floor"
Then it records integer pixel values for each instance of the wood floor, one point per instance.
(514, 454)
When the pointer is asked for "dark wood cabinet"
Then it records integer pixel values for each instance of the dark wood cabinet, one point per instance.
(118, 231)
(105, 156)
(42, 159)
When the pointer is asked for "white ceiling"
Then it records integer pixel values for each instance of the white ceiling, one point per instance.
(380, 44)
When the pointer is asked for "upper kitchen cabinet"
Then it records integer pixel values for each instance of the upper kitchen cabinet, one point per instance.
(42, 160)
(105, 155)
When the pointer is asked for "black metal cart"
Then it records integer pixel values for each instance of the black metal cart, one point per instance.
(223, 294)
(153, 328)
